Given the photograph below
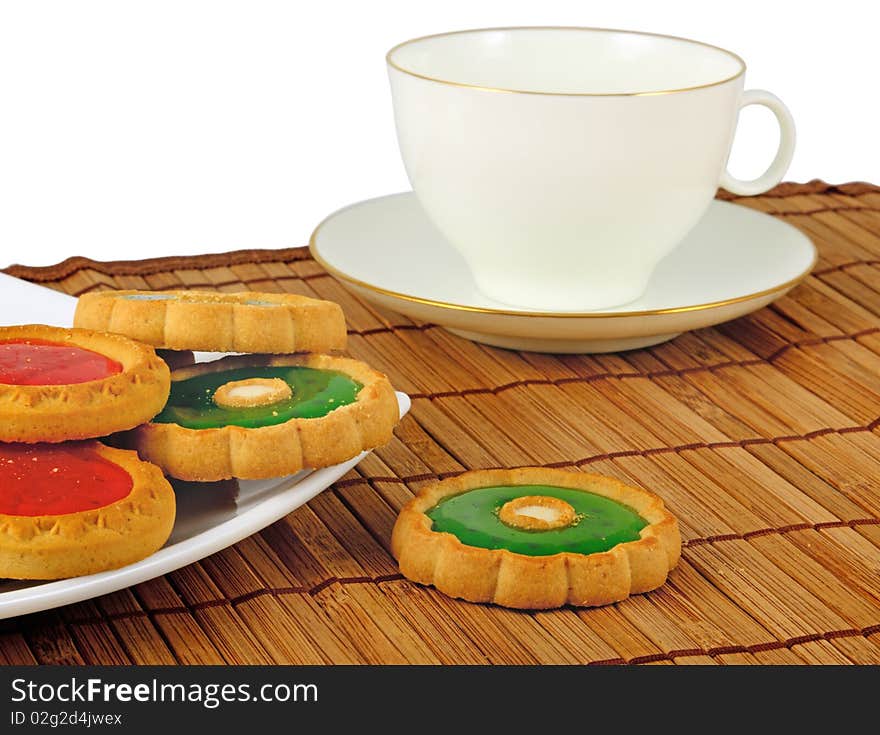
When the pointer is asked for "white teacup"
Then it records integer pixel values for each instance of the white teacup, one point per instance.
(565, 163)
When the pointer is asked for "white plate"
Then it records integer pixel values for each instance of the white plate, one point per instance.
(209, 517)
(734, 261)
(26, 303)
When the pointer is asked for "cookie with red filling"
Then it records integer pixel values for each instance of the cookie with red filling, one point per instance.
(60, 384)
(78, 508)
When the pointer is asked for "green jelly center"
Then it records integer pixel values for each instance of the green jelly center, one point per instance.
(315, 393)
(601, 523)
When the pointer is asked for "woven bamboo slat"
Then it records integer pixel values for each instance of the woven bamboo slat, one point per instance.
(762, 435)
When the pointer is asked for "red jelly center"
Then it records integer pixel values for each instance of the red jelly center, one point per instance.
(38, 362)
(54, 479)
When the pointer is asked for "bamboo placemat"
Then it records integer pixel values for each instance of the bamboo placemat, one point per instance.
(761, 435)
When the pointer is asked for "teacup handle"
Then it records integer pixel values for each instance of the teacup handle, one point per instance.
(773, 175)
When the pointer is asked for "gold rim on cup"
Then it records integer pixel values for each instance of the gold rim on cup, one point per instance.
(394, 65)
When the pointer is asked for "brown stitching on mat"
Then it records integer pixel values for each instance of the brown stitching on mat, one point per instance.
(815, 186)
(237, 600)
(822, 210)
(424, 477)
(620, 454)
(152, 266)
(844, 266)
(828, 635)
(714, 651)
(781, 530)
(343, 581)
(210, 285)
(275, 591)
(664, 373)
(391, 328)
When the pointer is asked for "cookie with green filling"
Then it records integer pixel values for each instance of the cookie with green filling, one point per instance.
(536, 538)
(247, 321)
(259, 416)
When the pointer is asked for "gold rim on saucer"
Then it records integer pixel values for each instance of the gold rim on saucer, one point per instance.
(332, 270)
(395, 65)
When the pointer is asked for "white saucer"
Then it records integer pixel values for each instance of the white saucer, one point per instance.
(735, 261)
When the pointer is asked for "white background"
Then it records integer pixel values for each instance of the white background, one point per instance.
(136, 129)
